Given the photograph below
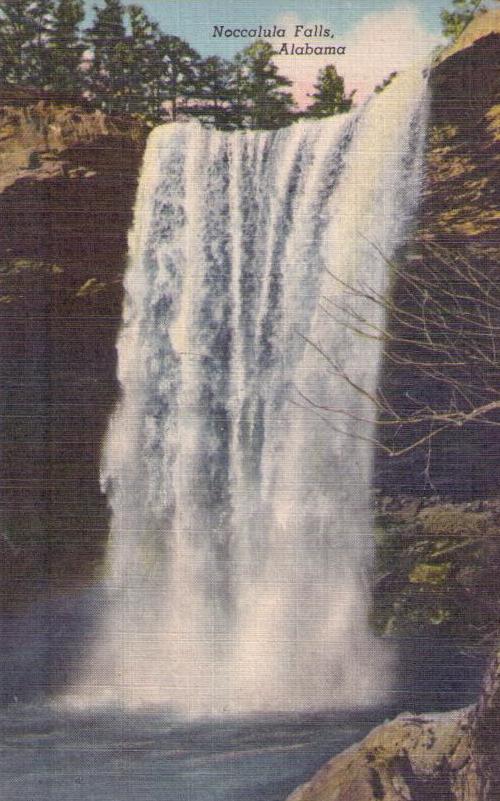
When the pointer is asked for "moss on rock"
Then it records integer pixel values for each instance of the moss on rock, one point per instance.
(436, 570)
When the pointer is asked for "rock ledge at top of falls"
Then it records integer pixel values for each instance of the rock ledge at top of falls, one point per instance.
(414, 757)
(38, 138)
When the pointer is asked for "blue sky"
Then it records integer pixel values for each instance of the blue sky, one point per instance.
(194, 19)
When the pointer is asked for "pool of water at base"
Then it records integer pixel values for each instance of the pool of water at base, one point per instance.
(47, 754)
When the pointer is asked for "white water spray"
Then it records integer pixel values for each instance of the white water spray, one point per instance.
(241, 531)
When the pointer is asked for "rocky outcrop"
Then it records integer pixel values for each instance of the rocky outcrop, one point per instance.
(39, 138)
(68, 179)
(414, 757)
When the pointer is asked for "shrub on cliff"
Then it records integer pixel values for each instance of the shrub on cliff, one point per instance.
(454, 22)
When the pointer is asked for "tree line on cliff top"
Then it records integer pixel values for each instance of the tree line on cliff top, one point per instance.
(123, 63)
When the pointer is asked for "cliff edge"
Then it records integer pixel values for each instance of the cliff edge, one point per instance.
(452, 756)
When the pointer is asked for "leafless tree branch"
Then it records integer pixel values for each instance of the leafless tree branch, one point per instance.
(442, 324)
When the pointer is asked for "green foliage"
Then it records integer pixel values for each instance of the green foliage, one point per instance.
(135, 67)
(329, 95)
(173, 73)
(124, 63)
(40, 43)
(214, 91)
(464, 11)
(447, 520)
(437, 573)
(245, 93)
(43, 14)
(139, 59)
(65, 48)
(263, 102)
(434, 575)
(24, 29)
(106, 77)
(237, 91)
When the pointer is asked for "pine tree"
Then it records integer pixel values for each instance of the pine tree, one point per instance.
(214, 89)
(329, 95)
(267, 105)
(66, 47)
(24, 28)
(107, 39)
(237, 92)
(42, 12)
(174, 73)
(141, 55)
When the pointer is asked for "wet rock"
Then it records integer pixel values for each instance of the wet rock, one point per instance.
(414, 757)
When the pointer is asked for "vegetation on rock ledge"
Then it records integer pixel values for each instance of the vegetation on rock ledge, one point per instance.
(437, 570)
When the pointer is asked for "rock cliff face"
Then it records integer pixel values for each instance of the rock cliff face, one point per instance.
(67, 186)
(459, 214)
(453, 756)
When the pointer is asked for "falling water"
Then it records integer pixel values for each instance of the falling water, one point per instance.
(241, 530)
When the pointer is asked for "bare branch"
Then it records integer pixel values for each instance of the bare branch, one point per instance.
(439, 320)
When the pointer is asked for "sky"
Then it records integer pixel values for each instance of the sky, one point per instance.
(379, 36)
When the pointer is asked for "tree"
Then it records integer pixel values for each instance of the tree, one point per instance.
(442, 338)
(214, 90)
(40, 43)
(107, 79)
(442, 328)
(43, 16)
(140, 59)
(266, 104)
(454, 22)
(65, 47)
(237, 88)
(24, 27)
(329, 95)
(173, 73)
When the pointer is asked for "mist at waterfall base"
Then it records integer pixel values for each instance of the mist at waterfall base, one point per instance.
(231, 652)
(240, 541)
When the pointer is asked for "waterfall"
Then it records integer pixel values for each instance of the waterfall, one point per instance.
(241, 539)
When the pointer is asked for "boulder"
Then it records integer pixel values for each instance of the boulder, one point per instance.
(412, 758)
